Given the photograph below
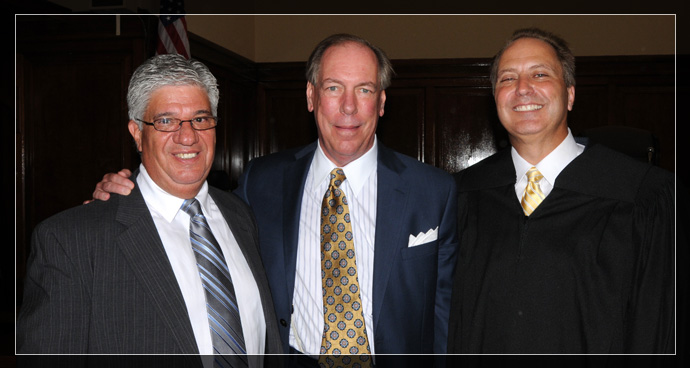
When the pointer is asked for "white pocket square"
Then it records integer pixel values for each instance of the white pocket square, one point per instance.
(423, 238)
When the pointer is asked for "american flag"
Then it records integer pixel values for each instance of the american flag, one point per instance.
(172, 29)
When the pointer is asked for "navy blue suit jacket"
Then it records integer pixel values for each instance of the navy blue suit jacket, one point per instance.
(411, 286)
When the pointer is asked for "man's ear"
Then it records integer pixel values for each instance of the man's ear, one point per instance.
(135, 132)
(571, 97)
(310, 97)
(382, 102)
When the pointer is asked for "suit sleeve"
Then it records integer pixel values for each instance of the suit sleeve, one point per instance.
(54, 315)
(242, 186)
(447, 254)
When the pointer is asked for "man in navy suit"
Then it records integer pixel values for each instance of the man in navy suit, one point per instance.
(403, 215)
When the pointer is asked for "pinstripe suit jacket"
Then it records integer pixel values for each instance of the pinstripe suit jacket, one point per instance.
(99, 282)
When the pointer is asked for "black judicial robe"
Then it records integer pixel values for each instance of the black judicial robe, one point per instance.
(590, 271)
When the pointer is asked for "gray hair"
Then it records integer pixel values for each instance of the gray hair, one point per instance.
(385, 69)
(168, 70)
(559, 45)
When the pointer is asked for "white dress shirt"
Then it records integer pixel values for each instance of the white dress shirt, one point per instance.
(173, 228)
(307, 325)
(550, 166)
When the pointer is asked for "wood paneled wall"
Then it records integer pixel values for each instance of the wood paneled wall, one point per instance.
(71, 111)
(72, 115)
(442, 112)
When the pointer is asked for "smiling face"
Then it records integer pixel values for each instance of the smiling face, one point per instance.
(346, 102)
(178, 162)
(531, 96)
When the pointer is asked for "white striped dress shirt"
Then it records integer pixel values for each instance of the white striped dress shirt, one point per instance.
(173, 228)
(306, 330)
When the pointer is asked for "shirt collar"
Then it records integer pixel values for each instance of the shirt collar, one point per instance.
(357, 172)
(162, 202)
(551, 165)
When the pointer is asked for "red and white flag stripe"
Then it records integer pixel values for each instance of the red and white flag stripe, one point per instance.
(172, 29)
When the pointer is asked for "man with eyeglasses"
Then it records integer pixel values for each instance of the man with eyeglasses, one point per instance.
(174, 267)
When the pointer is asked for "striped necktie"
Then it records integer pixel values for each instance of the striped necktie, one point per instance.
(533, 195)
(221, 303)
(345, 342)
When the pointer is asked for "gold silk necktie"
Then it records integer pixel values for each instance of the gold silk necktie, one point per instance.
(345, 342)
(533, 195)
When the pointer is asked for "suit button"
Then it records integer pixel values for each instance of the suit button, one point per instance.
(283, 322)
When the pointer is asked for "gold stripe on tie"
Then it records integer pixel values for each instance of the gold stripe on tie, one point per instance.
(533, 195)
(344, 342)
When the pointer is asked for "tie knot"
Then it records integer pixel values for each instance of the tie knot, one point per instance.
(191, 206)
(337, 177)
(533, 175)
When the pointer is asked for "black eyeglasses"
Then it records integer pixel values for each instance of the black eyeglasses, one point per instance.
(174, 124)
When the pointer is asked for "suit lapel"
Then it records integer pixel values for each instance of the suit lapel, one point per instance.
(294, 177)
(239, 225)
(144, 250)
(390, 205)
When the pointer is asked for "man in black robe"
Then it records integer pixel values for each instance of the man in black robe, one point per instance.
(586, 262)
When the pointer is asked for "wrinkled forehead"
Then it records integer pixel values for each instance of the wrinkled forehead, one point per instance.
(529, 53)
(178, 99)
(349, 58)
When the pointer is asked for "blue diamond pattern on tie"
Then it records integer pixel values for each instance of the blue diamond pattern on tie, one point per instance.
(221, 303)
(345, 343)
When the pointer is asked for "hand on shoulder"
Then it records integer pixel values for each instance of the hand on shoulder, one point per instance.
(118, 183)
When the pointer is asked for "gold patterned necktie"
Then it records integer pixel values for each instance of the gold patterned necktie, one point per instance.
(533, 195)
(345, 342)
